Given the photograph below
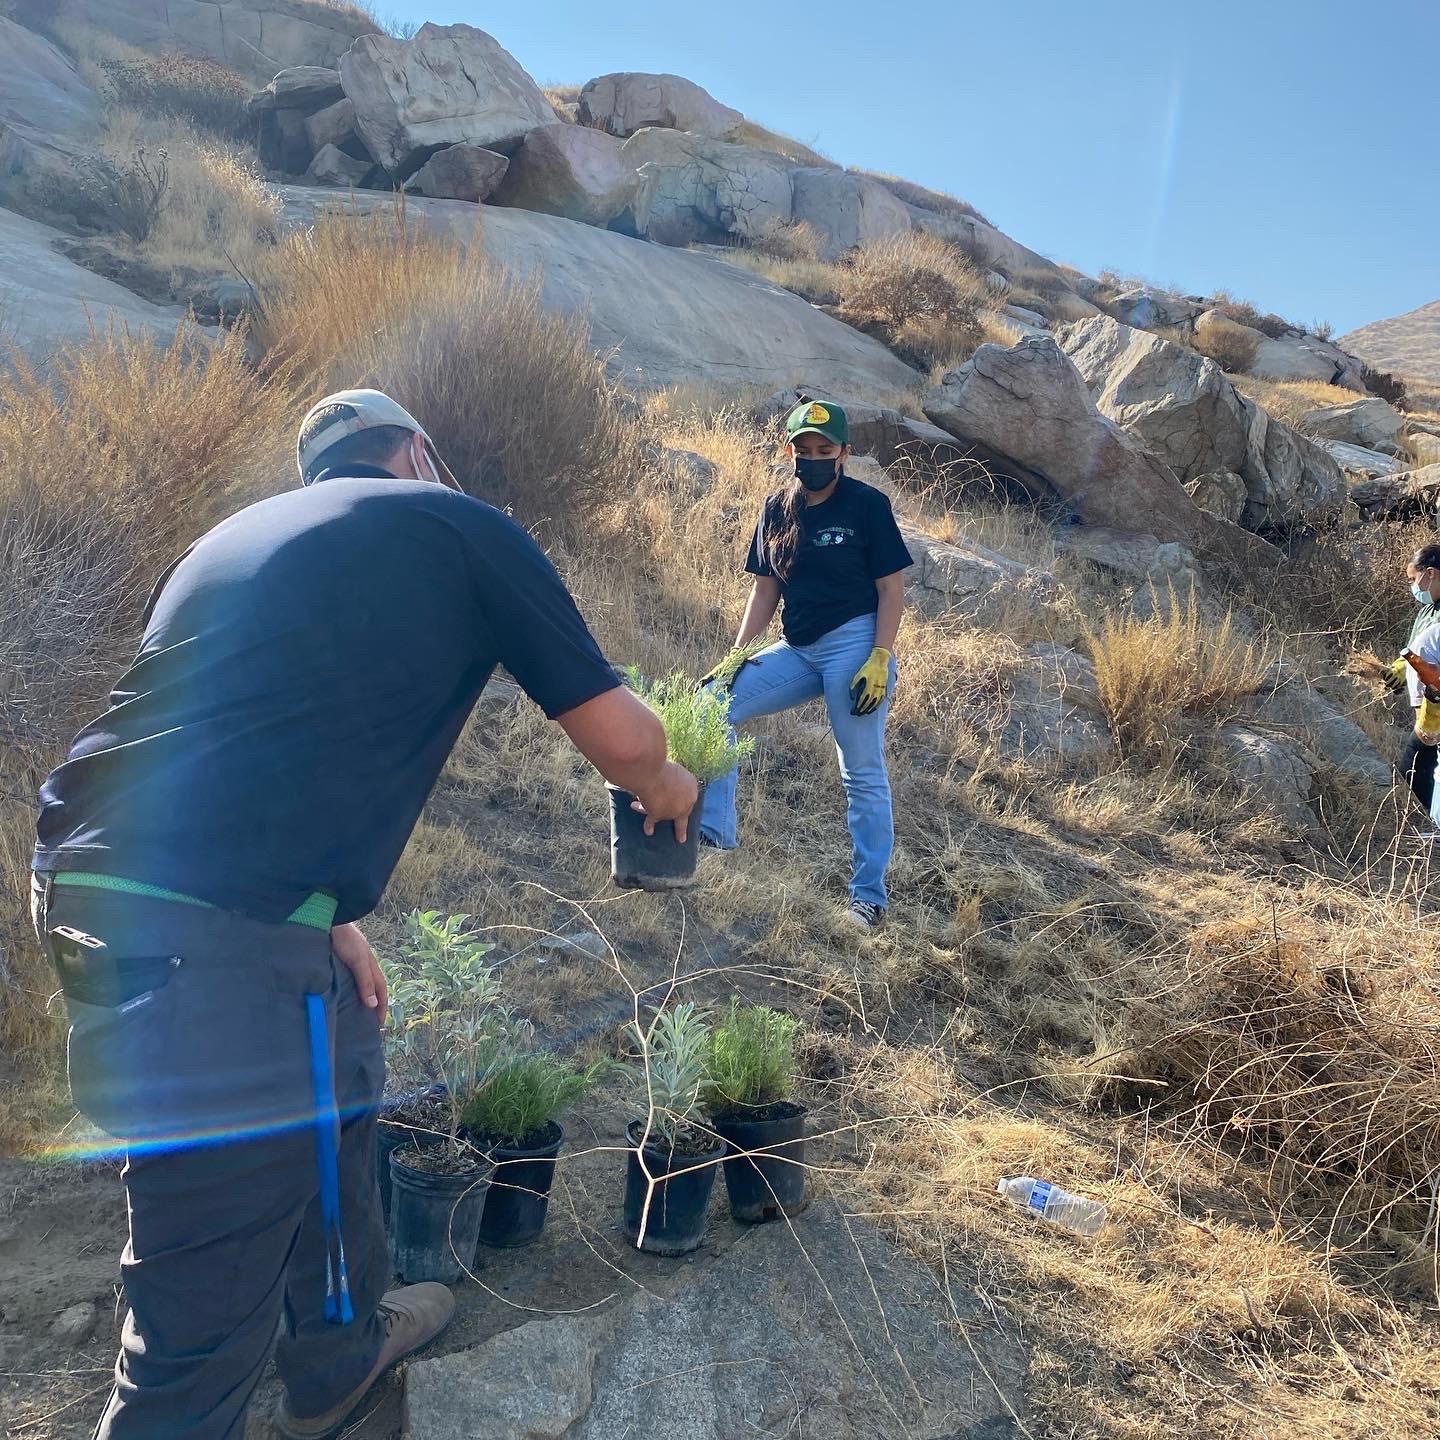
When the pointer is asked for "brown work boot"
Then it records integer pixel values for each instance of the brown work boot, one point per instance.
(413, 1317)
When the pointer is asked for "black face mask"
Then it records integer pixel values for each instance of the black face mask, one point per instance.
(815, 474)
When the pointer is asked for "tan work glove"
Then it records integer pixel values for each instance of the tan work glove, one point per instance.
(871, 683)
(1427, 721)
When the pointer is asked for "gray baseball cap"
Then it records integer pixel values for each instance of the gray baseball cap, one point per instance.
(358, 410)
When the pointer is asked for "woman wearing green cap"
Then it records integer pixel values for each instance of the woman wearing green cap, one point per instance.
(826, 548)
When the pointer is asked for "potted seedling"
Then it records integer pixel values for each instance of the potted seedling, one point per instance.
(698, 736)
(513, 1117)
(444, 1006)
(671, 1166)
(748, 1095)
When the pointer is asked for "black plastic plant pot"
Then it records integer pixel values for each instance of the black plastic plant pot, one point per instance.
(519, 1193)
(650, 862)
(765, 1161)
(434, 1217)
(675, 1224)
(397, 1127)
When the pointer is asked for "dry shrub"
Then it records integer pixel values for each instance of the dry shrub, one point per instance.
(203, 92)
(1155, 671)
(921, 293)
(818, 281)
(1232, 350)
(1318, 1047)
(109, 466)
(1383, 383)
(1244, 313)
(1290, 400)
(521, 407)
(217, 213)
(790, 240)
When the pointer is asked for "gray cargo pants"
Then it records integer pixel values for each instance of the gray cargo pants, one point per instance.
(189, 1038)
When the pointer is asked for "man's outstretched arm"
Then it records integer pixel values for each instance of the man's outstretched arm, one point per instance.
(623, 739)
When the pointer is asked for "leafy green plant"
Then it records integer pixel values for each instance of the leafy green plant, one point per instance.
(445, 1009)
(697, 723)
(752, 1058)
(675, 1065)
(523, 1092)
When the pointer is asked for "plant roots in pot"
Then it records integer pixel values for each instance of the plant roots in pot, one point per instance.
(519, 1193)
(435, 1215)
(650, 862)
(676, 1222)
(769, 1180)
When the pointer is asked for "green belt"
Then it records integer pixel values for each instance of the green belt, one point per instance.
(318, 911)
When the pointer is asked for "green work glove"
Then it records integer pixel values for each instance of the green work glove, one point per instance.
(1395, 673)
(871, 683)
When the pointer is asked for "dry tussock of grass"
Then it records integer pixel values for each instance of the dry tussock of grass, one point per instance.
(1289, 400)
(937, 202)
(1155, 671)
(109, 466)
(921, 294)
(217, 213)
(1232, 350)
(520, 406)
(750, 132)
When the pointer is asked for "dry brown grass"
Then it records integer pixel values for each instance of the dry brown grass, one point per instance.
(750, 132)
(108, 468)
(937, 202)
(515, 398)
(1289, 400)
(921, 294)
(1155, 671)
(217, 214)
(1232, 350)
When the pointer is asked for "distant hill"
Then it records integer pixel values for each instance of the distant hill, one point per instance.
(1406, 344)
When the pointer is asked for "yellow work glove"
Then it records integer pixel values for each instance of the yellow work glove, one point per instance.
(871, 682)
(1395, 673)
(1427, 720)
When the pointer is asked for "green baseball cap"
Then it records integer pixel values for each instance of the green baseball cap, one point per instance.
(816, 418)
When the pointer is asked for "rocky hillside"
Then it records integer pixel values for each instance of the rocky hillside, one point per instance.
(1408, 344)
(1162, 923)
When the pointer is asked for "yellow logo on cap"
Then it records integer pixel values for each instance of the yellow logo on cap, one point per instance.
(817, 415)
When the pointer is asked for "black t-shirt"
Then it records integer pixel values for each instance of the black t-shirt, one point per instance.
(847, 543)
(305, 670)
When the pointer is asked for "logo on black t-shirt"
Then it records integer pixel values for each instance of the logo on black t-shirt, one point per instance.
(833, 535)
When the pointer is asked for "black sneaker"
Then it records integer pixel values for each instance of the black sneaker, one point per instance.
(865, 915)
(706, 843)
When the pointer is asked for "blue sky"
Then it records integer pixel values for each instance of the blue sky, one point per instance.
(1281, 149)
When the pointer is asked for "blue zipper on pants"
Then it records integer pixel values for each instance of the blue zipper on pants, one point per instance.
(338, 1308)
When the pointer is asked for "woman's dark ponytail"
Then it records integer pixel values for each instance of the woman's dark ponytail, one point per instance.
(783, 543)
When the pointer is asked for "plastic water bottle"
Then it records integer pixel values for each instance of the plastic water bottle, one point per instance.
(1050, 1202)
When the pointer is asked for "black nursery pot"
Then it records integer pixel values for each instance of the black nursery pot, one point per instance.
(393, 1131)
(650, 862)
(765, 1186)
(434, 1219)
(676, 1222)
(519, 1193)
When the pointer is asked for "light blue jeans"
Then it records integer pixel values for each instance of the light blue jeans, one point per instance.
(787, 675)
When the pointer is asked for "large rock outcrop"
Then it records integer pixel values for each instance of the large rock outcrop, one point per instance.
(569, 170)
(625, 102)
(48, 116)
(47, 300)
(1371, 422)
(1306, 357)
(666, 316)
(691, 188)
(450, 85)
(1029, 402)
(846, 209)
(1193, 419)
(256, 37)
(459, 172)
(821, 1319)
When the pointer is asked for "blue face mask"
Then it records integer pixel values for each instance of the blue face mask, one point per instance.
(1422, 597)
(815, 474)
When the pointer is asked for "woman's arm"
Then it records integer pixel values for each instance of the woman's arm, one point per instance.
(760, 609)
(891, 590)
